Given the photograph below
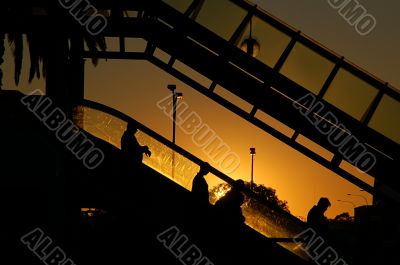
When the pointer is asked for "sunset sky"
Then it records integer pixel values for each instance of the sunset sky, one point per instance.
(135, 87)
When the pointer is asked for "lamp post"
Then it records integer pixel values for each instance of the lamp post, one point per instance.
(252, 154)
(175, 96)
(365, 199)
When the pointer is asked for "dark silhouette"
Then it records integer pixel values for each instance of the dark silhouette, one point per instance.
(200, 186)
(131, 173)
(230, 204)
(316, 218)
(232, 227)
(198, 209)
(264, 193)
(130, 146)
(131, 166)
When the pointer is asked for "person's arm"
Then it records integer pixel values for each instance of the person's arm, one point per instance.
(146, 150)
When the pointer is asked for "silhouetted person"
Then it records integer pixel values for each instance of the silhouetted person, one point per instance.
(130, 147)
(232, 230)
(131, 169)
(200, 186)
(198, 211)
(316, 218)
(230, 204)
(132, 156)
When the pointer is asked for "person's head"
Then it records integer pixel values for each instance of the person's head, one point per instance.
(204, 168)
(132, 127)
(324, 203)
(239, 184)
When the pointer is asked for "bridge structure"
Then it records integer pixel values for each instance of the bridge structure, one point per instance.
(293, 79)
(253, 55)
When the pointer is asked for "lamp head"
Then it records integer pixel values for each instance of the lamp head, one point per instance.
(172, 88)
(251, 46)
(178, 95)
(252, 151)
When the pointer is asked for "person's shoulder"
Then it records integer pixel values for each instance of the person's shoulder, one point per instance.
(124, 135)
(312, 210)
(197, 177)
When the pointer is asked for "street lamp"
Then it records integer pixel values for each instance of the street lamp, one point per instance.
(365, 199)
(252, 154)
(251, 45)
(175, 96)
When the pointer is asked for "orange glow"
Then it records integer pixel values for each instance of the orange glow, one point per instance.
(220, 193)
(297, 179)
